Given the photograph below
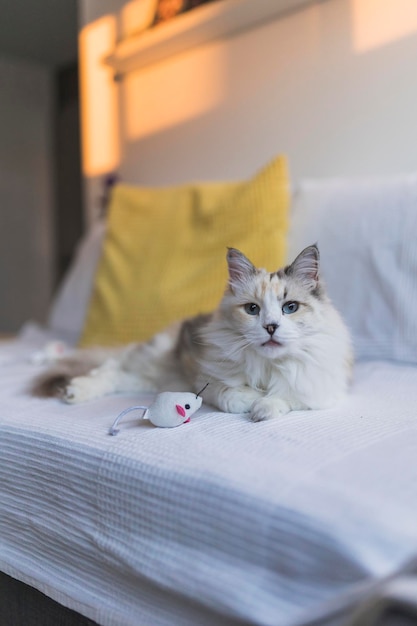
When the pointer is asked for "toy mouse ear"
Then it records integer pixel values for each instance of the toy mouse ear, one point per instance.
(201, 391)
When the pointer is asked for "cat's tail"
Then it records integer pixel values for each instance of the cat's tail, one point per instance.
(54, 382)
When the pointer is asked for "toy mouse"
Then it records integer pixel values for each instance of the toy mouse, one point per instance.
(52, 351)
(170, 409)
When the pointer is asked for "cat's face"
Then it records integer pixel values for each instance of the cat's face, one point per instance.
(275, 313)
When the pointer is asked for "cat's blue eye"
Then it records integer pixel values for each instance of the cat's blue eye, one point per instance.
(290, 307)
(252, 309)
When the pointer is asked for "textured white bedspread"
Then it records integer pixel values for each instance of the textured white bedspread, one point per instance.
(217, 522)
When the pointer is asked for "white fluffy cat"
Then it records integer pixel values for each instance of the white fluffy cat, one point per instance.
(275, 344)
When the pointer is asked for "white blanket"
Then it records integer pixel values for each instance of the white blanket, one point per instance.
(219, 521)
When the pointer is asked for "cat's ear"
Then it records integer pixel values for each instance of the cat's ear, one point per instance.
(240, 268)
(305, 268)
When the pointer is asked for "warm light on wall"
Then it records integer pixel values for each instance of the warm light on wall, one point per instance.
(377, 23)
(172, 93)
(99, 99)
(137, 15)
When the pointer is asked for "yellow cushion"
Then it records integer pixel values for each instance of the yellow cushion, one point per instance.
(164, 255)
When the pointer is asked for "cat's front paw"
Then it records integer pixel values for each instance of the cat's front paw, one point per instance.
(80, 389)
(238, 399)
(266, 408)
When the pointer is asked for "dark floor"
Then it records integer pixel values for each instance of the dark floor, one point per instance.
(21, 605)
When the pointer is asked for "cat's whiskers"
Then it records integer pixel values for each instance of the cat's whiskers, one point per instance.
(233, 346)
(235, 352)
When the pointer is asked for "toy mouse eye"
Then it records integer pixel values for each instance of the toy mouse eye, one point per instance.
(252, 309)
(187, 406)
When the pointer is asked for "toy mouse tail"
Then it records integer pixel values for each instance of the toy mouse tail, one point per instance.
(113, 430)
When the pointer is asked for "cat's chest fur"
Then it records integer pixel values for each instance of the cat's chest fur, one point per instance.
(257, 372)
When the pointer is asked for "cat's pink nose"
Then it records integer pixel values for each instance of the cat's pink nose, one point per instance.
(271, 328)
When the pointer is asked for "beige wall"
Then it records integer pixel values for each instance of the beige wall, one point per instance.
(332, 85)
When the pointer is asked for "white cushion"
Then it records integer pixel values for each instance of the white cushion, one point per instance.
(366, 231)
(70, 304)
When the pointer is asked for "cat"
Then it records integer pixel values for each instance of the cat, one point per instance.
(275, 344)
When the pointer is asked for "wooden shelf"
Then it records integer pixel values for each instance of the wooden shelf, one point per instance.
(216, 20)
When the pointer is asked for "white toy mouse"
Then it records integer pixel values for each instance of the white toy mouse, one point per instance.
(51, 352)
(170, 409)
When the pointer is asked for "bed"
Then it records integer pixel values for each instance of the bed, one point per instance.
(309, 519)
